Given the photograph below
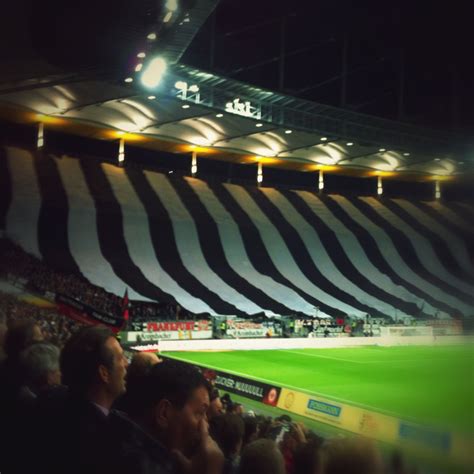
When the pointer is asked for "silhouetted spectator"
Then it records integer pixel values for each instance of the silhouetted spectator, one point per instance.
(139, 367)
(40, 366)
(228, 431)
(262, 457)
(351, 456)
(307, 458)
(215, 408)
(173, 433)
(251, 429)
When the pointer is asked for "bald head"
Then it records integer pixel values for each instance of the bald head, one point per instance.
(141, 363)
(351, 456)
(262, 457)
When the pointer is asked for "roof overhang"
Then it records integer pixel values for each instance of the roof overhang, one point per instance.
(226, 120)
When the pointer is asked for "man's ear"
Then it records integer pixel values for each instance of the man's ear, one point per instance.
(163, 413)
(104, 375)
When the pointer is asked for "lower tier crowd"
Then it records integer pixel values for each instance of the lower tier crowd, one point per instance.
(85, 407)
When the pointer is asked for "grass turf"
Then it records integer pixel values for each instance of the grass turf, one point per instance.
(432, 385)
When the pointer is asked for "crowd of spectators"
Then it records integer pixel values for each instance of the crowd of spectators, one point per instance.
(54, 326)
(19, 266)
(86, 409)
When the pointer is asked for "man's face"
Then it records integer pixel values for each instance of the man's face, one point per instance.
(37, 334)
(215, 408)
(183, 427)
(116, 382)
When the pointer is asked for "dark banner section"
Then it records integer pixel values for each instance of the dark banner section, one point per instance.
(259, 391)
(249, 388)
(84, 313)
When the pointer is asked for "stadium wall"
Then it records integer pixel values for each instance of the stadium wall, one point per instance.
(300, 343)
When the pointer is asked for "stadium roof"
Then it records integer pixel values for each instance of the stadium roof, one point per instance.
(192, 110)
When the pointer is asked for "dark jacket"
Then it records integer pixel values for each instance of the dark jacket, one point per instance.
(140, 453)
(71, 435)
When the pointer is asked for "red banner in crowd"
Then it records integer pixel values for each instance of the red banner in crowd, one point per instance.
(74, 309)
(159, 326)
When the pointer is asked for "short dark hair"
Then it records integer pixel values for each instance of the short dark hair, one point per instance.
(171, 380)
(83, 354)
(227, 430)
(307, 457)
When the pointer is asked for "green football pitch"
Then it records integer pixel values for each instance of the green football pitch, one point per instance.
(431, 385)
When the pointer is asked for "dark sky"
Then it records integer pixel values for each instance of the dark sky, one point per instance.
(434, 38)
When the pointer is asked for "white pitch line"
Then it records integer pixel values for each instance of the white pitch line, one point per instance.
(326, 357)
(385, 361)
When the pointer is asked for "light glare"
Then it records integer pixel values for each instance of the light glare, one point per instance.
(154, 72)
(172, 5)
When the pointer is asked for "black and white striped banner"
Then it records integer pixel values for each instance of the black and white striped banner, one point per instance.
(228, 249)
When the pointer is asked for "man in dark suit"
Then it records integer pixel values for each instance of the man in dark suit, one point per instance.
(75, 430)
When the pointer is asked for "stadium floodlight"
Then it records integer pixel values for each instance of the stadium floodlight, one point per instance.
(151, 36)
(128, 80)
(406, 154)
(220, 115)
(258, 125)
(381, 150)
(171, 5)
(154, 72)
(193, 88)
(437, 159)
(349, 143)
(141, 54)
(288, 132)
(324, 139)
